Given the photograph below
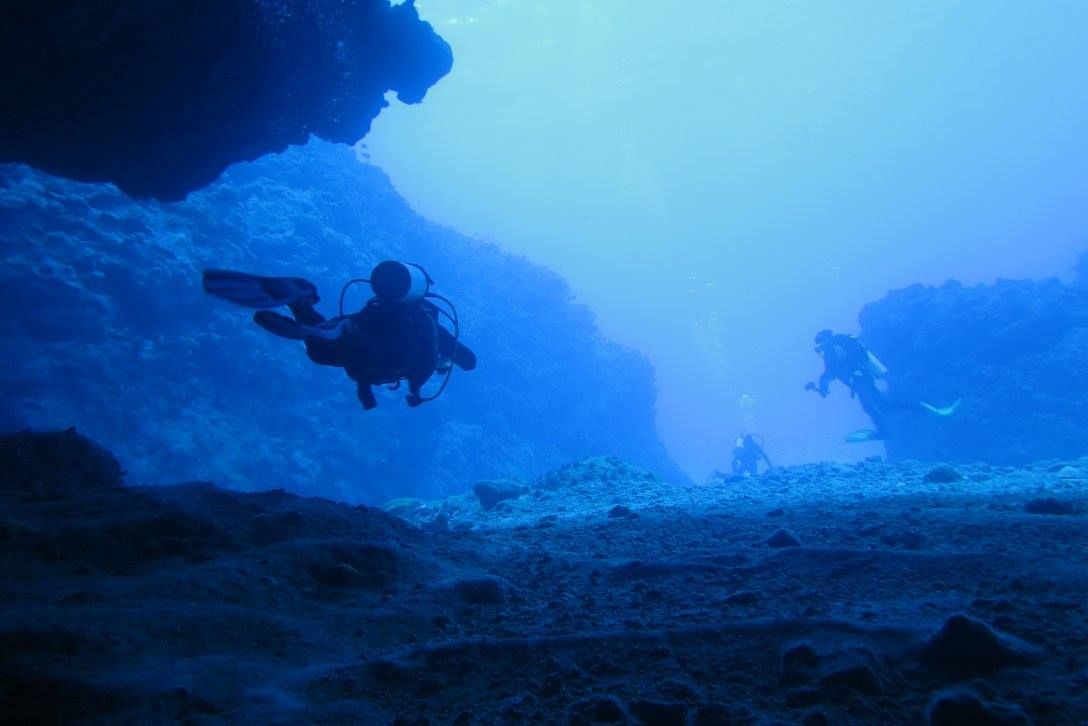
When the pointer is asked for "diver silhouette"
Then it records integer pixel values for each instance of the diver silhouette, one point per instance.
(746, 456)
(397, 336)
(848, 360)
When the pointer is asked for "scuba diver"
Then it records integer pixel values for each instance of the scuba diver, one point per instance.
(746, 456)
(395, 337)
(847, 359)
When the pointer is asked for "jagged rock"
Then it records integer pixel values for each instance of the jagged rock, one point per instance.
(271, 527)
(490, 493)
(804, 697)
(340, 574)
(551, 686)
(815, 718)
(961, 707)
(159, 97)
(858, 677)
(54, 464)
(783, 538)
(966, 647)
(744, 597)
(659, 713)
(718, 714)
(486, 590)
(800, 664)
(598, 709)
(942, 475)
(1050, 505)
(908, 539)
(1070, 473)
(403, 506)
(441, 523)
(355, 565)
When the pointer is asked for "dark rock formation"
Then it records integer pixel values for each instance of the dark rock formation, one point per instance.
(159, 96)
(490, 493)
(783, 538)
(113, 334)
(960, 706)
(1050, 505)
(966, 647)
(1017, 354)
(942, 475)
(52, 464)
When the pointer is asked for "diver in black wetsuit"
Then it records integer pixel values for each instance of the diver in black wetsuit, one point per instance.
(747, 455)
(848, 360)
(396, 336)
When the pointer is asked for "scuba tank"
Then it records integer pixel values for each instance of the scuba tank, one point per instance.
(399, 282)
(876, 368)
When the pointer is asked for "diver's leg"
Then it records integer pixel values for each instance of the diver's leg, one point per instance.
(888, 404)
(305, 313)
(869, 397)
(366, 395)
(415, 385)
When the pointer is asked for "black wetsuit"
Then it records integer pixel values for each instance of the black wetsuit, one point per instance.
(384, 343)
(846, 359)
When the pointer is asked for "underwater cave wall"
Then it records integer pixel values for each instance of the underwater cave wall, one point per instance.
(107, 329)
(1016, 352)
(160, 96)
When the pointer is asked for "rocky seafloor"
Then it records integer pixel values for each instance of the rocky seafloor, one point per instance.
(822, 594)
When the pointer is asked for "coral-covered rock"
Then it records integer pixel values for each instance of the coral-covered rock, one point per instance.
(490, 493)
(115, 335)
(1014, 352)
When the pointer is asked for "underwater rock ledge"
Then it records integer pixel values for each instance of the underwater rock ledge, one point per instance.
(193, 603)
(197, 604)
(159, 97)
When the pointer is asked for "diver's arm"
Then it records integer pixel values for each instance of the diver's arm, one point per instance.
(825, 380)
(452, 349)
(766, 458)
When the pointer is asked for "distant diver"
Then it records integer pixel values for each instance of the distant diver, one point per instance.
(847, 359)
(747, 455)
(396, 336)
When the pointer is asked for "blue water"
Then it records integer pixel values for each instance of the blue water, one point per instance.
(718, 181)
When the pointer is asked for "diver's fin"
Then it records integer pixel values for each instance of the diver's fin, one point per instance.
(863, 435)
(291, 329)
(943, 411)
(254, 291)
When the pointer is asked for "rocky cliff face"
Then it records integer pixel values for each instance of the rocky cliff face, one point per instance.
(1017, 354)
(107, 329)
(160, 96)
